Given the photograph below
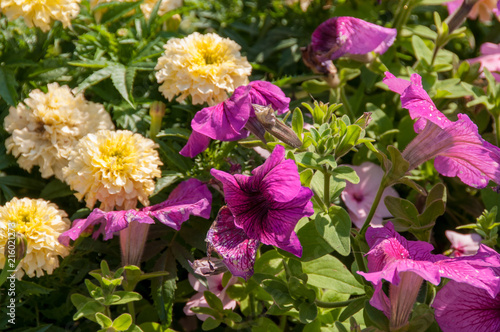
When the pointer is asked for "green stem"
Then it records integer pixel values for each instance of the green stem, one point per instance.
(326, 199)
(346, 104)
(376, 202)
(402, 14)
(358, 255)
(320, 202)
(497, 129)
(341, 304)
(131, 310)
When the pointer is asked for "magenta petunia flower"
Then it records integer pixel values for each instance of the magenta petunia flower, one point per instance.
(191, 197)
(490, 59)
(460, 307)
(226, 121)
(463, 244)
(343, 35)
(232, 244)
(268, 204)
(215, 286)
(405, 264)
(359, 197)
(457, 147)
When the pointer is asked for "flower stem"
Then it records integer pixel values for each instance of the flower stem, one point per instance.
(376, 202)
(341, 304)
(131, 311)
(358, 256)
(346, 104)
(402, 13)
(326, 193)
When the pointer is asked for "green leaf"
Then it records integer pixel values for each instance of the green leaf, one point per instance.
(122, 322)
(213, 301)
(328, 272)
(8, 85)
(122, 78)
(313, 245)
(299, 291)
(298, 122)
(210, 324)
(269, 262)
(56, 189)
(307, 312)
(348, 141)
(94, 78)
(402, 208)
(306, 177)
(335, 229)
(88, 310)
(21, 182)
(279, 292)
(163, 288)
(422, 52)
(126, 297)
(103, 320)
(346, 173)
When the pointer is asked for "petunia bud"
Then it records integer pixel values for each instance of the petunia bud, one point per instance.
(157, 112)
(21, 247)
(265, 115)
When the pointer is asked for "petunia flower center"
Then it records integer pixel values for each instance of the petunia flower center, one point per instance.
(358, 197)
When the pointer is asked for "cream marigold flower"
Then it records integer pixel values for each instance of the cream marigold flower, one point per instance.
(165, 6)
(115, 167)
(45, 128)
(41, 223)
(206, 67)
(41, 13)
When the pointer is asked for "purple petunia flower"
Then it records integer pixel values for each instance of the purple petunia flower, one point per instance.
(359, 197)
(405, 264)
(191, 197)
(267, 205)
(226, 121)
(339, 36)
(457, 147)
(232, 244)
(460, 307)
(490, 59)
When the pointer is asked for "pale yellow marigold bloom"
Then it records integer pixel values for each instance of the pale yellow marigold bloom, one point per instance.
(45, 128)
(41, 223)
(41, 13)
(146, 7)
(205, 67)
(115, 167)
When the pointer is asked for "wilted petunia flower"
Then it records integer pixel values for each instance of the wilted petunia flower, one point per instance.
(190, 197)
(41, 223)
(457, 147)
(460, 307)
(205, 67)
(359, 197)
(463, 244)
(115, 167)
(41, 13)
(226, 121)
(215, 286)
(268, 204)
(345, 36)
(405, 264)
(489, 59)
(482, 9)
(46, 127)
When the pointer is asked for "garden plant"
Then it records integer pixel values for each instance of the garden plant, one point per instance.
(251, 165)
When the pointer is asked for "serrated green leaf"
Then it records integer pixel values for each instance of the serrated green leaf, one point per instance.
(21, 182)
(56, 189)
(119, 76)
(8, 85)
(94, 78)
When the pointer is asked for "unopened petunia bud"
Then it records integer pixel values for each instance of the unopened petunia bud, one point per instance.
(20, 247)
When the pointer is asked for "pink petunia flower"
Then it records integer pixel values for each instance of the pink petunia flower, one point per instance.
(482, 9)
(191, 197)
(359, 198)
(490, 59)
(215, 286)
(463, 244)
(457, 147)
(405, 264)
(226, 121)
(460, 307)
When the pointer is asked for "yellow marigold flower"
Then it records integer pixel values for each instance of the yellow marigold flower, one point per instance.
(40, 13)
(45, 128)
(115, 167)
(41, 223)
(206, 67)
